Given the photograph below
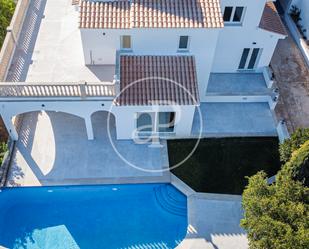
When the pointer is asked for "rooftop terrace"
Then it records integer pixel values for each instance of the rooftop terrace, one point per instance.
(50, 47)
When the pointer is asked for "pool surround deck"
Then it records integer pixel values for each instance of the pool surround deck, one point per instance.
(53, 149)
(213, 220)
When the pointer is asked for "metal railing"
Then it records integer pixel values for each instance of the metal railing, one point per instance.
(56, 90)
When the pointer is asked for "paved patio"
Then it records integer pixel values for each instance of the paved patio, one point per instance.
(234, 119)
(237, 84)
(53, 149)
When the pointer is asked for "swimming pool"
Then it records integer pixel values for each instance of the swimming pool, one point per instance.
(106, 216)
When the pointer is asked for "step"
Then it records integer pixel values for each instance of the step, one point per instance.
(168, 200)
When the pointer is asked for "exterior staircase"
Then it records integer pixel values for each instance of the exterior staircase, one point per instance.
(171, 200)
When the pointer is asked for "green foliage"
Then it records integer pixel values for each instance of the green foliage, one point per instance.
(298, 166)
(295, 14)
(3, 150)
(6, 12)
(299, 137)
(277, 215)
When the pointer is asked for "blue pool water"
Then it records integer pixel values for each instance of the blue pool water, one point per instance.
(106, 216)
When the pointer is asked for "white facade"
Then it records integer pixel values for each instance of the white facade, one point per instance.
(216, 50)
(125, 116)
(246, 34)
(101, 49)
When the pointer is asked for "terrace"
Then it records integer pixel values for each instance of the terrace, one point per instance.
(238, 84)
(50, 49)
(234, 119)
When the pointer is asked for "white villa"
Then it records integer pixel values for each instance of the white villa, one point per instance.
(156, 62)
(83, 81)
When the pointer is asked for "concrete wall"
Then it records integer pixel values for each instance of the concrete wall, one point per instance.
(103, 48)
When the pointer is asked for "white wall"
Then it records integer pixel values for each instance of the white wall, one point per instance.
(102, 47)
(126, 119)
(124, 115)
(153, 42)
(234, 38)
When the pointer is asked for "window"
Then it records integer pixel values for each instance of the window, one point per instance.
(254, 57)
(249, 58)
(166, 121)
(233, 15)
(144, 122)
(183, 42)
(126, 42)
(227, 14)
(238, 14)
(244, 57)
(147, 123)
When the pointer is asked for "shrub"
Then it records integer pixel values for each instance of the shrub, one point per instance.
(299, 137)
(298, 166)
(277, 215)
(295, 13)
(6, 12)
(3, 150)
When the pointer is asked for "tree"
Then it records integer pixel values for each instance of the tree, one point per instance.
(6, 12)
(277, 216)
(298, 165)
(299, 137)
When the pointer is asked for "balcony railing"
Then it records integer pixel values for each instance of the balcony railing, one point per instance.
(56, 90)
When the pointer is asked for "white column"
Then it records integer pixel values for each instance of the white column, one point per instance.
(10, 127)
(89, 128)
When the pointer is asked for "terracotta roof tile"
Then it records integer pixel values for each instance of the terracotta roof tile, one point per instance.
(271, 21)
(162, 80)
(151, 14)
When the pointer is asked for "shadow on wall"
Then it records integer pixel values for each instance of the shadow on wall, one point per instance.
(23, 54)
(105, 73)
